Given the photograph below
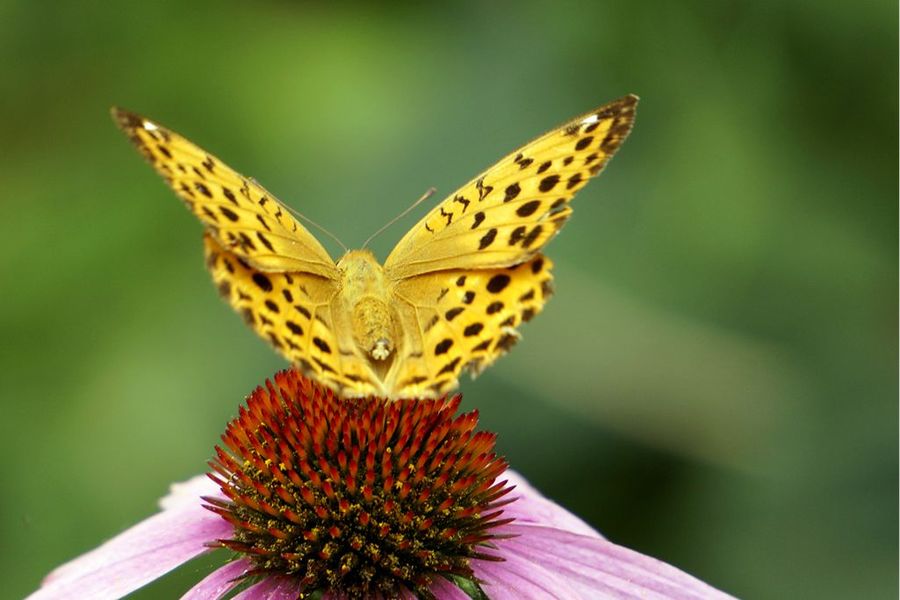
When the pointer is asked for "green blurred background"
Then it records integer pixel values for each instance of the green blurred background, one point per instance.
(714, 383)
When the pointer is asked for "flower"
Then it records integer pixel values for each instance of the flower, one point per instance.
(366, 498)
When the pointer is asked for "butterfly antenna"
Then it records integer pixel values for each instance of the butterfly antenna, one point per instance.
(424, 197)
(303, 217)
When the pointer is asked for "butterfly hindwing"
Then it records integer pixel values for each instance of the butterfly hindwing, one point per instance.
(299, 314)
(508, 213)
(239, 213)
(459, 320)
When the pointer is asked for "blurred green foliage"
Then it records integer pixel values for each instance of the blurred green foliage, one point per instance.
(714, 383)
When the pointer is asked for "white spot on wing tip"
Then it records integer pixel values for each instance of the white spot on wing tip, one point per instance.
(150, 126)
(589, 120)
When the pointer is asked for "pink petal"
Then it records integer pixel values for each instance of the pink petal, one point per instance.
(444, 590)
(533, 507)
(189, 492)
(219, 582)
(140, 554)
(544, 560)
(518, 578)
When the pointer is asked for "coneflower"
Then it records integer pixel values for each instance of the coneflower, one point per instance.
(317, 495)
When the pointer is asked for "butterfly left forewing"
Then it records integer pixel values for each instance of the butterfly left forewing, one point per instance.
(239, 213)
(462, 320)
(508, 213)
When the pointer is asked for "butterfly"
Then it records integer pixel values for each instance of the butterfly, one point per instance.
(449, 297)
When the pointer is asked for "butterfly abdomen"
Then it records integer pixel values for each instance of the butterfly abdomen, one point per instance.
(364, 291)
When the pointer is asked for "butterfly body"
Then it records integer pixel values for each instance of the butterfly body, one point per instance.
(450, 296)
(366, 295)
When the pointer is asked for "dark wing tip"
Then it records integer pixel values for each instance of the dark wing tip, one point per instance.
(623, 106)
(126, 120)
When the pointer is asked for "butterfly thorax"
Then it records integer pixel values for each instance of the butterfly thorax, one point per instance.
(365, 292)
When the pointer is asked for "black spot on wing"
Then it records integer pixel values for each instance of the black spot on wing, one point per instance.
(516, 235)
(487, 239)
(473, 329)
(532, 236)
(522, 161)
(230, 195)
(322, 345)
(450, 366)
(453, 313)
(323, 365)
(573, 181)
(210, 214)
(548, 183)
(556, 207)
(462, 201)
(483, 190)
(483, 345)
(498, 283)
(442, 346)
(262, 282)
(228, 213)
(529, 208)
(494, 307)
(265, 241)
(202, 189)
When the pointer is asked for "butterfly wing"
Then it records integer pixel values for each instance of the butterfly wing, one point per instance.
(459, 320)
(300, 315)
(471, 271)
(508, 213)
(237, 212)
(264, 263)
